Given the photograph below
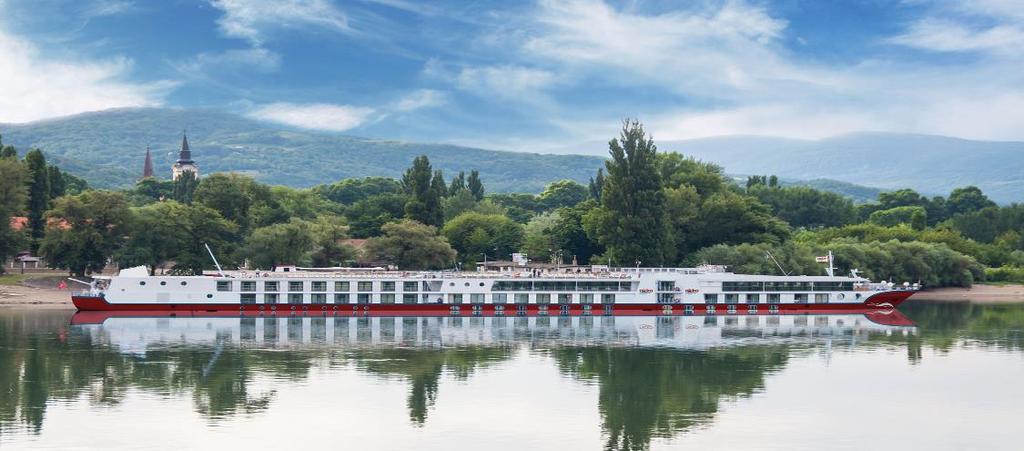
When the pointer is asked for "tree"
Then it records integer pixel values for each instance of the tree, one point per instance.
(185, 187)
(631, 222)
(273, 245)
(84, 231)
(424, 192)
(410, 245)
(596, 185)
(967, 200)
(239, 199)
(475, 185)
(58, 186)
(539, 240)
(149, 190)
(802, 206)
(156, 235)
(563, 193)
(458, 184)
(329, 249)
(38, 191)
(463, 201)
(897, 215)
(730, 218)
(473, 235)
(569, 234)
(350, 191)
(13, 194)
(366, 216)
(203, 226)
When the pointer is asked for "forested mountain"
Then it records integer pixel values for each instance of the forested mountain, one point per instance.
(107, 148)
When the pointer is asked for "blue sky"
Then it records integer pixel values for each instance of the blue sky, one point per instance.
(552, 76)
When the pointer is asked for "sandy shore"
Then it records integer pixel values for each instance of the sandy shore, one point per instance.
(24, 296)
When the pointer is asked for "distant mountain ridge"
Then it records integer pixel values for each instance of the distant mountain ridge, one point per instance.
(930, 164)
(108, 149)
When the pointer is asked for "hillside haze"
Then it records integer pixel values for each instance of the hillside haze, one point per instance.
(108, 147)
(930, 164)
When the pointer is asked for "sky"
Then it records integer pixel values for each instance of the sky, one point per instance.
(546, 76)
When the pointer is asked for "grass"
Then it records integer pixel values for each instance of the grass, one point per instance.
(11, 279)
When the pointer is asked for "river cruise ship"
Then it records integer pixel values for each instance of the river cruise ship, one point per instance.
(491, 290)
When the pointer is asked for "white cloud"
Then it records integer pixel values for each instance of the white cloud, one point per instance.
(418, 99)
(37, 87)
(506, 81)
(252, 19)
(952, 36)
(316, 116)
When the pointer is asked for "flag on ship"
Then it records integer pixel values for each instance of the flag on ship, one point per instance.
(821, 259)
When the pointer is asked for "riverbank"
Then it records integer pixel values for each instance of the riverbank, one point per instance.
(979, 293)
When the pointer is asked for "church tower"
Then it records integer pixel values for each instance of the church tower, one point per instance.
(184, 163)
(147, 169)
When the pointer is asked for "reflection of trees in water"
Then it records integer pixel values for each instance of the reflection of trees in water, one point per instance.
(945, 325)
(660, 392)
(423, 369)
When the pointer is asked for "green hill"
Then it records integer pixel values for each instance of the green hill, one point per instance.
(107, 149)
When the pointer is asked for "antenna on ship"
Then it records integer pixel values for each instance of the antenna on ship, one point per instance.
(772, 257)
(219, 270)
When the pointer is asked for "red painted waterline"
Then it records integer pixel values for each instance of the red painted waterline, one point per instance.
(95, 309)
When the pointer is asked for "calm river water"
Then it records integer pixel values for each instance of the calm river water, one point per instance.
(953, 379)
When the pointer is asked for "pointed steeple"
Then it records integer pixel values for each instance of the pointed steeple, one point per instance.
(185, 156)
(147, 170)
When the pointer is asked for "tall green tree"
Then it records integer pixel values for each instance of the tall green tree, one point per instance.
(421, 184)
(185, 187)
(631, 222)
(596, 185)
(58, 185)
(38, 191)
(84, 231)
(474, 185)
(563, 193)
(458, 183)
(156, 235)
(329, 248)
(239, 199)
(13, 194)
(410, 245)
(202, 226)
(968, 199)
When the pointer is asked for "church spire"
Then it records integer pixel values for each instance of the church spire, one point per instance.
(147, 170)
(185, 156)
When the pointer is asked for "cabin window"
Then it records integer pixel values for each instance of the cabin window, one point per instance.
(318, 285)
(341, 298)
(248, 298)
(363, 298)
(295, 286)
(521, 298)
(318, 298)
(665, 298)
(248, 286)
(800, 297)
(710, 298)
(409, 298)
(455, 298)
(743, 286)
(476, 298)
(269, 286)
(607, 298)
(587, 298)
(564, 298)
(499, 298)
(753, 298)
(222, 285)
(341, 286)
(270, 298)
(820, 298)
(512, 285)
(833, 286)
(387, 298)
(163, 282)
(294, 298)
(183, 283)
(732, 298)
(408, 286)
(666, 285)
(543, 299)
(774, 298)
(387, 285)
(365, 286)
(142, 283)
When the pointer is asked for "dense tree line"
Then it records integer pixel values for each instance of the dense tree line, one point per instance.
(644, 207)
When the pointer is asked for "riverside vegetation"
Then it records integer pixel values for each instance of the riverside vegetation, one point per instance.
(644, 207)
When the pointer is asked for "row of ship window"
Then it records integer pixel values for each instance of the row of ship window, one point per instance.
(413, 298)
(367, 286)
(787, 286)
(772, 298)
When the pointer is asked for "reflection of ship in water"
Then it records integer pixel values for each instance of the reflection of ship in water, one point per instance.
(136, 334)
